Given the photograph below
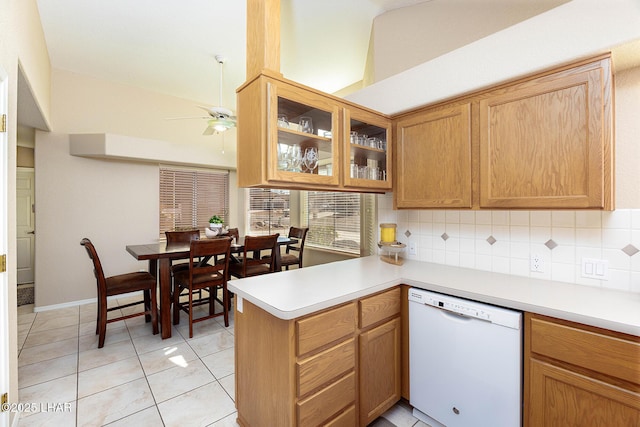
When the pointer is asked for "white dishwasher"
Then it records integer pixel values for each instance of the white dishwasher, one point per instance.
(465, 362)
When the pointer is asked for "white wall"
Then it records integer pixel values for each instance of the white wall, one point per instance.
(112, 202)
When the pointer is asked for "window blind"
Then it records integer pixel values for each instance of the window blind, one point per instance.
(189, 197)
(269, 211)
(340, 221)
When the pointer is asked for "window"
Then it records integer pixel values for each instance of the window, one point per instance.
(268, 212)
(340, 222)
(189, 197)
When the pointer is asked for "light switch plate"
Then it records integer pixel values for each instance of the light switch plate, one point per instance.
(595, 268)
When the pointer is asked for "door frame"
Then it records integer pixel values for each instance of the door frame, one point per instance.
(4, 275)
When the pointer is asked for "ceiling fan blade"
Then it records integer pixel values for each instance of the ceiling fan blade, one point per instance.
(209, 130)
(186, 118)
(216, 111)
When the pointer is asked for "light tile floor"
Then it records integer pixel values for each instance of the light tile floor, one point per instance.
(135, 379)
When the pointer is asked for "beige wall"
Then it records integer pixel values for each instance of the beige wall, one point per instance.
(21, 41)
(25, 157)
(113, 202)
(83, 104)
(627, 132)
(571, 31)
(406, 37)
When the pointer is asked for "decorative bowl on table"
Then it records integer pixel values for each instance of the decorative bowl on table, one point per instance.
(215, 230)
(212, 232)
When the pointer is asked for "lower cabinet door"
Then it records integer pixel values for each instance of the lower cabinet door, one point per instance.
(559, 397)
(380, 370)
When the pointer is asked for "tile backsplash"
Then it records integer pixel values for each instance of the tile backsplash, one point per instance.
(504, 241)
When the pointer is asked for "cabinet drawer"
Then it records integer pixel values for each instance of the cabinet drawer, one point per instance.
(327, 402)
(610, 355)
(323, 367)
(379, 307)
(317, 331)
(345, 419)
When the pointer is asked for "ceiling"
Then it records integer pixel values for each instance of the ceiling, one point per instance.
(170, 47)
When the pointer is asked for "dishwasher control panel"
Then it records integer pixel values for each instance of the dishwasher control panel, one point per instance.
(467, 308)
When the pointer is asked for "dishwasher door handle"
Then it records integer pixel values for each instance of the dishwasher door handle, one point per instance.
(456, 315)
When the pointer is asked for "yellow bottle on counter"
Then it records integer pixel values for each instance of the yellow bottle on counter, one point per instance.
(387, 233)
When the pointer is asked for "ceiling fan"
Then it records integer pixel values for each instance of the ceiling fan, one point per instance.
(220, 118)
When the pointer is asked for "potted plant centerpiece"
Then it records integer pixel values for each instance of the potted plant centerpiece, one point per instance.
(215, 222)
(215, 226)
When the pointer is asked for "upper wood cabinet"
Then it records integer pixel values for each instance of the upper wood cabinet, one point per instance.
(434, 159)
(541, 142)
(547, 142)
(292, 136)
(367, 150)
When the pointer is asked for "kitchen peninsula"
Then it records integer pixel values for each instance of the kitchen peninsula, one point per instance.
(304, 337)
(300, 292)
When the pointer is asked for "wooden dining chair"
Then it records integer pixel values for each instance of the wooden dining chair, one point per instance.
(258, 256)
(118, 285)
(180, 238)
(290, 258)
(234, 233)
(200, 276)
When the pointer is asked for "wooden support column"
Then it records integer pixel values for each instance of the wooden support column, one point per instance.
(263, 36)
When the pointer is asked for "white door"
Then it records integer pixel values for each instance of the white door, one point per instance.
(4, 280)
(25, 194)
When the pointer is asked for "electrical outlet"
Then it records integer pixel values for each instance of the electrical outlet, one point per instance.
(413, 249)
(537, 263)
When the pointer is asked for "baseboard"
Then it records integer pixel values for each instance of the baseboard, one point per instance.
(77, 303)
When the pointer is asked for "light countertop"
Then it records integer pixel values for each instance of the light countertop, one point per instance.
(291, 294)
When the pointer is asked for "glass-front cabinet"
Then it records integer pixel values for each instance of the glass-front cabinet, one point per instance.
(303, 143)
(292, 136)
(367, 150)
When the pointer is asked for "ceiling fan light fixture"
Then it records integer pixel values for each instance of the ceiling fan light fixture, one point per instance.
(221, 125)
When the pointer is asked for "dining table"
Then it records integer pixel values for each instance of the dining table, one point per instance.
(160, 255)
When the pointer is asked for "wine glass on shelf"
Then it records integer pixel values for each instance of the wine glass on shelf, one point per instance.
(306, 124)
(310, 158)
(283, 121)
(294, 154)
(283, 158)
